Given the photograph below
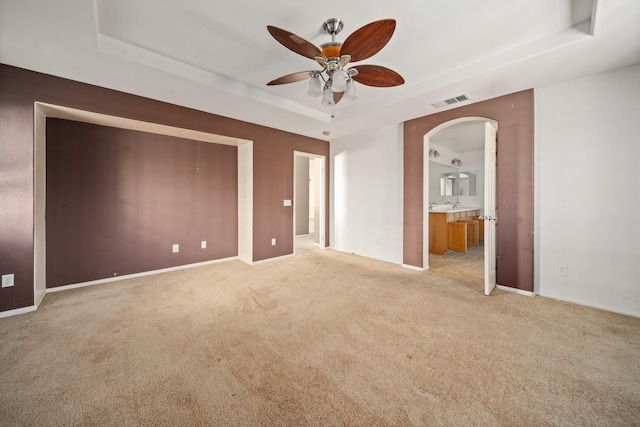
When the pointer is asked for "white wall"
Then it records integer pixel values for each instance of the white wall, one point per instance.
(587, 190)
(473, 161)
(301, 195)
(366, 194)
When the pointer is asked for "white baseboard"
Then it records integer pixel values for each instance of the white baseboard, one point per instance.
(17, 311)
(604, 307)
(262, 261)
(412, 267)
(131, 276)
(515, 291)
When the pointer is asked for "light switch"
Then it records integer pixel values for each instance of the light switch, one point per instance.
(287, 202)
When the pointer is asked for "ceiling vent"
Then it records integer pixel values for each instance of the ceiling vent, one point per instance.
(451, 101)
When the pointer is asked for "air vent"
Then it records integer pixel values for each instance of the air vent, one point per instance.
(451, 101)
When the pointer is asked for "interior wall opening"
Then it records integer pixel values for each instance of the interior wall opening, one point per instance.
(308, 201)
(454, 197)
(42, 111)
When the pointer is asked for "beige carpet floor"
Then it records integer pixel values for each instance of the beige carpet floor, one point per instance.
(322, 338)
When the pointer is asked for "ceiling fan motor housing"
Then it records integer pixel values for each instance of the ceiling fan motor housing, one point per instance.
(331, 49)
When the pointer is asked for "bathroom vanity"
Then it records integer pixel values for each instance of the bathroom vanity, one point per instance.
(454, 229)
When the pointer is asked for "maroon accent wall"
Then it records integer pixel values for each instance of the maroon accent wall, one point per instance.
(117, 200)
(515, 116)
(19, 89)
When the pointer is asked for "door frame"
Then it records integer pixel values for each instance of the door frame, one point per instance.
(321, 196)
(425, 178)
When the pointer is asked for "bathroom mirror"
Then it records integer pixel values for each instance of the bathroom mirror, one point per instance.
(447, 182)
(450, 185)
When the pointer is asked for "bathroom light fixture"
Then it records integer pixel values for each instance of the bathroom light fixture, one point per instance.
(456, 162)
(434, 153)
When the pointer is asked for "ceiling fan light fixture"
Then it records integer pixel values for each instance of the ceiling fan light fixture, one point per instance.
(350, 91)
(327, 96)
(333, 58)
(339, 80)
(315, 88)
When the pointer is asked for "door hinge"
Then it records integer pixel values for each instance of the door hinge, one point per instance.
(496, 148)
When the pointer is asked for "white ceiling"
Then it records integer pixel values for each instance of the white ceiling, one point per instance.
(217, 56)
(461, 137)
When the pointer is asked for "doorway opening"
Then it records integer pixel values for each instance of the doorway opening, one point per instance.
(308, 202)
(459, 196)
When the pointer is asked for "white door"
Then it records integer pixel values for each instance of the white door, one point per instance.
(490, 220)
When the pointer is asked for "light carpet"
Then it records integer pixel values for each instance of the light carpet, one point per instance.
(322, 338)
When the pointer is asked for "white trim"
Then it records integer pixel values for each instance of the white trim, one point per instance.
(132, 276)
(245, 202)
(264, 261)
(413, 267)
(536, 191)
(593, 17)
(604, 307)
(17, 311)
(515, 291)
(39, 203)
(40, 297)
(60, 112)
(322, 197)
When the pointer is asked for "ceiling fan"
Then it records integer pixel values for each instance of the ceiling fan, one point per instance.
(334, 56)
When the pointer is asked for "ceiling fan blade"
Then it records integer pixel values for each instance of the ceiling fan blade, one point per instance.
(337, 96)
(368, 40)
(295, 43)
(290, 78)
(377, 76)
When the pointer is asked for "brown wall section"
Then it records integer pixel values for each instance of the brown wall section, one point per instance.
(117, 200)
(19, 89)
(515, 116)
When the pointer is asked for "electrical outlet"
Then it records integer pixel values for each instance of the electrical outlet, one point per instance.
(176, 248)
(7, 280)
(273, 241)
(203, 244)
(562, 270)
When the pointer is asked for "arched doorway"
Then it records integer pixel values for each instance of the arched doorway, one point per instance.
(515, 114)
(459, 212)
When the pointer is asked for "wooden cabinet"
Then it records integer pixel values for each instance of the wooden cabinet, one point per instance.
(481, 229)
(457, 236)
(438, 233)
(473, 232)
(453, 230)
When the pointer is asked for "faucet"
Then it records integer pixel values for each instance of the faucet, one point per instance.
(456, 205)
(433, 205)
(447, 202)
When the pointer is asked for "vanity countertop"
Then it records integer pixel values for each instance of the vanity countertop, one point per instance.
(449, 209)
